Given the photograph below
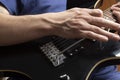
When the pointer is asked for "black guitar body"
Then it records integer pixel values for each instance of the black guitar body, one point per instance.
(29, 61)
(54, 58)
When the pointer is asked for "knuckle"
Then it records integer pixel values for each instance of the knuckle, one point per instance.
(76, 9)
(89, 19)
(80, 23)
(89, 33)
(98, 11)
(76, 23)
(96, 29)
(71, 23)
(85, 17)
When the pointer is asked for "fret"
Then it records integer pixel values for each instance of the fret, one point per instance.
(108, 15)
(109, 18)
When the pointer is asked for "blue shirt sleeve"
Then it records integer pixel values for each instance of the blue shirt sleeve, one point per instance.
(11, 6)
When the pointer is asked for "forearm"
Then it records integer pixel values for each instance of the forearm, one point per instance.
(73, 23)
(18, 29)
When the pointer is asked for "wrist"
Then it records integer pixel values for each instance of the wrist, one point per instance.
(47, 24)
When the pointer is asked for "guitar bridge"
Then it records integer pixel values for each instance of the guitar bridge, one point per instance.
(53, 54)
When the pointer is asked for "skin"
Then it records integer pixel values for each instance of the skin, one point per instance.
(72, 23)
(116, 11)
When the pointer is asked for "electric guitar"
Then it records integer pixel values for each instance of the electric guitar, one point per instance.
(55, 58)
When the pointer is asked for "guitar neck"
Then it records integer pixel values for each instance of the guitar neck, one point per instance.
(108, 15)
(105, 6)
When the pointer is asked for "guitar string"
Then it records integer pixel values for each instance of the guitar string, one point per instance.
(108, 15)
(69, 41)
(110, 18)
(105, 11)
(58, 40)
(53, 38)
(62, 40)
(65, 41)
(72, 45)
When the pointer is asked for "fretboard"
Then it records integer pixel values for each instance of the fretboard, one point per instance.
(108, 15)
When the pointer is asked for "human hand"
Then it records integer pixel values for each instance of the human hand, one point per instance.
(116, 11)
(83, 23)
